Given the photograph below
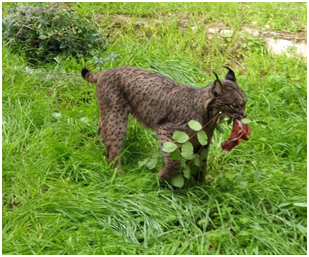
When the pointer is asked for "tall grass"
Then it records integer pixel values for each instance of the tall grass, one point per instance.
(60, 196)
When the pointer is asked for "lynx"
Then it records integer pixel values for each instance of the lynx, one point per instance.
(162, 105)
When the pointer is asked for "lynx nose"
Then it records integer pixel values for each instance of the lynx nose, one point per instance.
(244, 114)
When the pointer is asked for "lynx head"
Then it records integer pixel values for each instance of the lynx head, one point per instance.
(228, 97)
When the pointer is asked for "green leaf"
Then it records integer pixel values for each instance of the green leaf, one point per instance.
(152, 164)
(62, 45)
(197, 160)
(204, 154)
(143, 162)
(183, 163)
(57, 114)
(246, 121)
(169, 147)
(195, 169)
(156, 154)
(244, 184)
(187, 151)
(243, 233)
(284, 205)
(301, 228)
(263, 139)
(84, 120)
(195, 125)
(180, 137)
(178, 180)
(300, 204)
(202, 138)
(42, 37)
(187, 172)
(175, 155)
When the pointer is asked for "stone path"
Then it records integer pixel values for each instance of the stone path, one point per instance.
(276, 42)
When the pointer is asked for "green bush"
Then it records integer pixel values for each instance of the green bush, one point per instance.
(45, 31)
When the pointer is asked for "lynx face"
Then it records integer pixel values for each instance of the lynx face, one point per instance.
(234, 105)
(229, 98)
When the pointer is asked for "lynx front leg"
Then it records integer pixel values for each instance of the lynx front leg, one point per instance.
(170, 168)
(112, 130)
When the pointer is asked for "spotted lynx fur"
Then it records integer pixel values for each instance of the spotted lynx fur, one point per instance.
(162, 105)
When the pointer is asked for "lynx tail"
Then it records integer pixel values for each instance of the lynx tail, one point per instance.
(89, 76)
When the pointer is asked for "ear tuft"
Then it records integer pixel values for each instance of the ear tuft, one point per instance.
(230, 75)
(215, 75)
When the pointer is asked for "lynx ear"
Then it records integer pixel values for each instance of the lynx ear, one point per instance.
(217, 87)
(230, 75)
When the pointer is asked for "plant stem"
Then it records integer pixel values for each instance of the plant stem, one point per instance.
(204, 126)
(202, 147)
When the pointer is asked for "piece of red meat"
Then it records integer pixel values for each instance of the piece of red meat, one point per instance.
(239, 132)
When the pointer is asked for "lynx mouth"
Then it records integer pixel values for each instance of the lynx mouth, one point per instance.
(232, 118)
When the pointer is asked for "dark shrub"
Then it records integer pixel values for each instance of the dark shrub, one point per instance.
(45, 31)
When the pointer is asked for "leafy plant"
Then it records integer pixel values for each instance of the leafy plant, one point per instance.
(99, 62)
(44, 32)
(183, 151)
(250, 43)
(190, 163)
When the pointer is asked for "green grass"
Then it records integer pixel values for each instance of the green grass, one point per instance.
(60, 196)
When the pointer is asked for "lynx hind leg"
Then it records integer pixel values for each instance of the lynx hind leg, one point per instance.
(112, 130)
(170, 168)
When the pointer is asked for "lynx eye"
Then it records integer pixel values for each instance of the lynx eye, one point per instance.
(233, 106)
